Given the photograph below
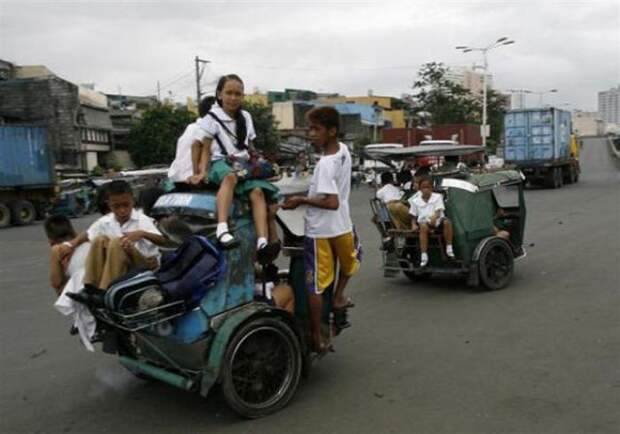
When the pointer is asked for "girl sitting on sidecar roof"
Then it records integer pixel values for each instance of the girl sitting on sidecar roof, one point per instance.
(227, 134)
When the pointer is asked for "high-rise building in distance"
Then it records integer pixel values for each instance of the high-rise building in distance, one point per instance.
(609, 105)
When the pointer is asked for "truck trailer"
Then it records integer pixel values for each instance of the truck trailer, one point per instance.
(27, 184)
(540, 143)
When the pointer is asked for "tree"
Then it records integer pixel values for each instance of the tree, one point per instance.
(267, 137)
(450, 103)
(446, 102)
(153, 139)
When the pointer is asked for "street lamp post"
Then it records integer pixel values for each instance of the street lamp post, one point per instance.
(501, 41)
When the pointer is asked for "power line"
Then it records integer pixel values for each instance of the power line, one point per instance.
(344, 67)
(181, 77)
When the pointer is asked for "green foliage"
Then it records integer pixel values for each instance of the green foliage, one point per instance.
(152, 140)
(97, 171)
(447, 102)
(450, 103)
(113, 163)
(267, 137)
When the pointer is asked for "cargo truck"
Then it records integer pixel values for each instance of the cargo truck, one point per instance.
(26, 174)
(540, 143)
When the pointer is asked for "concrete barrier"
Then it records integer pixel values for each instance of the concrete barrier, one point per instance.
(614, 145)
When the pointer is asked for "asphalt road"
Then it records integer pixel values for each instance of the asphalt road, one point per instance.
(542, 355)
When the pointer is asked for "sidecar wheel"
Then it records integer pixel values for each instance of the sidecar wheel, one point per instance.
(261, 367)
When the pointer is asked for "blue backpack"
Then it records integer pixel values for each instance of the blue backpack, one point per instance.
(191, 270)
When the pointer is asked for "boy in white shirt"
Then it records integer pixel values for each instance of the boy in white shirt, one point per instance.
(122, 240)
(427, 211)
(391, 196)
(329, 230)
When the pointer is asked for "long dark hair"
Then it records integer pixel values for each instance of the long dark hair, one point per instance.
(241, 128)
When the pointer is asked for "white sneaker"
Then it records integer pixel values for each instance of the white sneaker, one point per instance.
(424, 260)
(449, 251)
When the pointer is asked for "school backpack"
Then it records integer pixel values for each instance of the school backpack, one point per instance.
(191, 270)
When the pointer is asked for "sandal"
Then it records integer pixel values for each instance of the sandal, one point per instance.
(228, 244)
(349, 304)
(268, 253)
(323, 349)
(340, 320)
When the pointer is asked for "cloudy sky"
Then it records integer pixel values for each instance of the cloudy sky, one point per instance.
(343, 46)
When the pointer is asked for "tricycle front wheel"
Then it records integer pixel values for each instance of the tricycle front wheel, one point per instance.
(261, 367)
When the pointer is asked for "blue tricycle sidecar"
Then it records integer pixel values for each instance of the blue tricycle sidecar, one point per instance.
(255, 350)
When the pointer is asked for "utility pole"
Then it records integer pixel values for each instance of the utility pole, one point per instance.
(376, 110)
(158, 92)
(198, 61)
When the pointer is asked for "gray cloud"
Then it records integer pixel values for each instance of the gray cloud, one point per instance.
(347, 47)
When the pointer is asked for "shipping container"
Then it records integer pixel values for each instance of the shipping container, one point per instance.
(24, 157)
(26, 174)
(537, 135)
(538, 142)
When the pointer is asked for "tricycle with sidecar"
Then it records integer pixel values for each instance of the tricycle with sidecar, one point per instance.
(479, 205)
(254, 350)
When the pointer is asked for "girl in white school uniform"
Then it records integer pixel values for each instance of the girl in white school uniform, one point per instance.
(229, 132)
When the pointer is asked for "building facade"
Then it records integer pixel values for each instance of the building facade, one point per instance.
(391, 111)
(77, 119)
(588, 124)
(467, 77)
(609, 105)
(291, 115)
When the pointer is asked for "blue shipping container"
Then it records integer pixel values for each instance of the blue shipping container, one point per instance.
(25, 159)
(537, 135)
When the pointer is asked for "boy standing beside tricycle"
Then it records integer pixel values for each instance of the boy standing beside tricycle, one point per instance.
(328, 227)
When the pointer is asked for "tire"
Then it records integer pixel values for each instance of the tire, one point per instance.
(5, 216)
(554, 178)
(41, 208)
(404, 263)
(574, 175)
(126, 348)
(568, 175)
(550, 179)
(23, 212)
(261, 368)
(496, 264)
